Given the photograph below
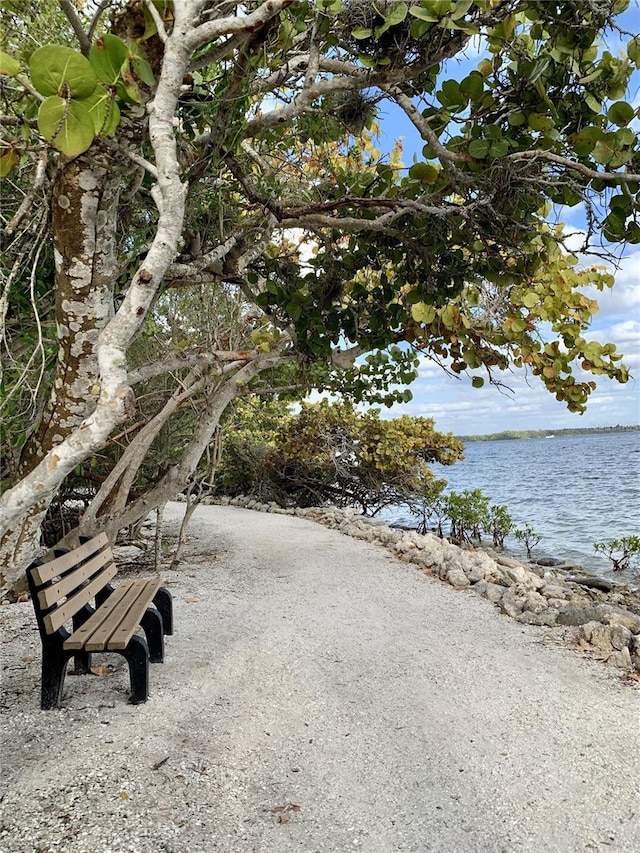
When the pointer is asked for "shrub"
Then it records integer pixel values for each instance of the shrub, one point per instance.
(620, 551)
(528, 537)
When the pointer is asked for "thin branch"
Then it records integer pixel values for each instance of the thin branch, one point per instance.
(625, 177)
(140, 161)
(423, 127)
(96, 18)
(157, 20)
(150, 371)
(29, 88)
(212, 30)
(72, 16)
(25, 206)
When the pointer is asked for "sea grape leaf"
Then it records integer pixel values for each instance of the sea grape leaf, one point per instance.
(479, 148)
(104, 111)
(9, 66)
(107, 57)
(67, 125)
(8, 159)
(620, 113)
(59, 70)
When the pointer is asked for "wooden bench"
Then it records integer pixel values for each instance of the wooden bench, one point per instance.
(62, 590)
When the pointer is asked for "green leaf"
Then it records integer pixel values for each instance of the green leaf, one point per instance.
(633, 51)
(479, 148)
(499, 148)
(530, 300)
(473, 86)
(620, 113)
(593, 103)
(142, 69)
(67, 125)
(9, 66)
(424, 14)
(537, 121)
(424, 172)
(602, 153)
(422, 313)
(517, 118)
(362, 32)
(104, 111)
(8, 159)
(107, 56)
(58, 70)
(477, 381)
(396, 15)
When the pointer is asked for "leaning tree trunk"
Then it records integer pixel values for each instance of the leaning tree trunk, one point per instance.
(23, 505)
(84, 214)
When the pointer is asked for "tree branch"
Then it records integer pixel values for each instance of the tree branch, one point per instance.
(72, 16)
(212, 30)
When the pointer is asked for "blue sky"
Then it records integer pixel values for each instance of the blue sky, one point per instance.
(463, 410)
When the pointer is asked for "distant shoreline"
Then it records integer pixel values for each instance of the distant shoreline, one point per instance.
(546, 433)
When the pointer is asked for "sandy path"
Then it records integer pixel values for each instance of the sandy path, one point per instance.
(321, 696)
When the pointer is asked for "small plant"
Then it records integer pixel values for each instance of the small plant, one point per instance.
(500, 524)
(619, 551)
(528, 537)
(469, 513)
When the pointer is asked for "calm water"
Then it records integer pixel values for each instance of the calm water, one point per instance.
(573, 490)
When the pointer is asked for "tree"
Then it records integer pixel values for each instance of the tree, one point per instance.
(214, 149)
(331, 453)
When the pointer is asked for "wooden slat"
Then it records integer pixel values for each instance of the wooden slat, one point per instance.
(48, 596)
(62, 614)
(127, 628)
(99, 640)
(42, 574)
(80, 636)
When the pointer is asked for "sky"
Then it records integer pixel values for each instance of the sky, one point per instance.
(463, 410)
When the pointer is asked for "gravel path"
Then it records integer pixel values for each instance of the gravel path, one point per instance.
(321, 696)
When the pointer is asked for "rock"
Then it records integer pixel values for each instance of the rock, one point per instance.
(592, 581)
(597, 635)
(535, 603)
(548, 617)
(555, 590)
(509, 562)
(512, 602)
(491, 591)
(578, 615)
(475, 574)
(497, 576)
(536, 569)
(549, 561)
(621, 660)
(519, 574)
(626, 620)
(456, 577)
(620, 637)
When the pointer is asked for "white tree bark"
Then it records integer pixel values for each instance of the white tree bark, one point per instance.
(23, 506)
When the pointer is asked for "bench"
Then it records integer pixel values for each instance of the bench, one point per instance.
(62, 591)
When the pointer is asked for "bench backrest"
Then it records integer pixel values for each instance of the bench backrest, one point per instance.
(62, 587)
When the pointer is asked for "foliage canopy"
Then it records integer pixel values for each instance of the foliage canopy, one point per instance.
(226, 152)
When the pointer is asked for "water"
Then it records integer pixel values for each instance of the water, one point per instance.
(573, 490)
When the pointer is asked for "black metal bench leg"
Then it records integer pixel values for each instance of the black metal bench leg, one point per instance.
(137, 656)
(151, 624)
(163, 601)
(82, 663)
(54, 667)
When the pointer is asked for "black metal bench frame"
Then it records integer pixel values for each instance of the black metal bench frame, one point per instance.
(156, 621)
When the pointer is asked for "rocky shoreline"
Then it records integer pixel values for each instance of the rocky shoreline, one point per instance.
(600, 617)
